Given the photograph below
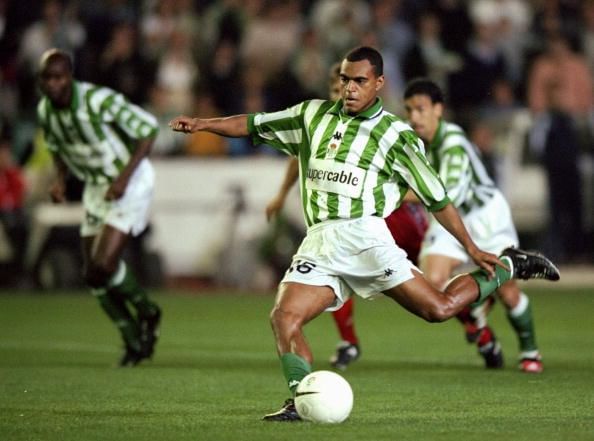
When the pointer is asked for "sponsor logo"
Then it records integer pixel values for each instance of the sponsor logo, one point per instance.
(335, 177)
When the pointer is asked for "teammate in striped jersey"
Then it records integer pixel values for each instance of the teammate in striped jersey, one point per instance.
(104, 140)
(357, 162)
(487, 217)
(407, 224)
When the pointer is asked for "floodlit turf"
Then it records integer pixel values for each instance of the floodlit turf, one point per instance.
(215, 374)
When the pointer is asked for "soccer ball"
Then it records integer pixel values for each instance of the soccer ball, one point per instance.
(324, 397)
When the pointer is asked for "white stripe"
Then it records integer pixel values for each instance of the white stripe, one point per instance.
(319, 133)
(98, 97)
(285, 136)
(433, 184)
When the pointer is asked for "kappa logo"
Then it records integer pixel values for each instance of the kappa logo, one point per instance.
(388, 272)
(337, 135)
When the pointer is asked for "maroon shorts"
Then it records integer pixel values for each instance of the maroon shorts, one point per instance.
(408, 224)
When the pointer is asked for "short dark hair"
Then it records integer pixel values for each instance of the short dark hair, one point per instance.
(424, 86)
(56, 55)
(370, 54)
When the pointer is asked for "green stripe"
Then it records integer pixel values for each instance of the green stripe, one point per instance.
(356, 208)
(373, 143)
(77, 126)
(107, 103)
(380, 199)
(315, 208)
(332, 204)
(94, 118)
(326, 139)
(347, 142)
(65, 133)
(407, 162)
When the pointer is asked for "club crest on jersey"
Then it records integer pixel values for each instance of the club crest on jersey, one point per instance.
(332, 150)
(334, 145)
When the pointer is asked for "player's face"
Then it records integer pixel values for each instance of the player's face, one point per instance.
(359, 84)
(55, 81)
(423, 115)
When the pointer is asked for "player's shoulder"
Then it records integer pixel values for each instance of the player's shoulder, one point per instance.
(96, 94)
(43, 108)
(453, 135)
(396, 123)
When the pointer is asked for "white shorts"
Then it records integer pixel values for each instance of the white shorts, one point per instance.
(350, 256)
(129, 214)
(490, 226)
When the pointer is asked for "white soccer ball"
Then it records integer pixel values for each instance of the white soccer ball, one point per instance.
(324, 397)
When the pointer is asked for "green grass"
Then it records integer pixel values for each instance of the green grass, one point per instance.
(215, 373)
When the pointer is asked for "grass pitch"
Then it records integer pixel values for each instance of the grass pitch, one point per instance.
(215, 373)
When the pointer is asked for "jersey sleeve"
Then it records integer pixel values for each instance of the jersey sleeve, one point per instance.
(412, 165)
(114, 107)
(282, 130)
(455, 171)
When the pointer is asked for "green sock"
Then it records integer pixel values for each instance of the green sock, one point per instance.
(520, 318)
(294, 368)
(124, 284)
(119, 314)
(488, 287)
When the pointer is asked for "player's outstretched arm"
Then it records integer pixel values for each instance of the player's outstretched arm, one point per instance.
(277, 203)
(231, 126)
(450, 219)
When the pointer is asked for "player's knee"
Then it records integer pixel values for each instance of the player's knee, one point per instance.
(284, 323)
(436, 279)
(438, 312)
(98, 272)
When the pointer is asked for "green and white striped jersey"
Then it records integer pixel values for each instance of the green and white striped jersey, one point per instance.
(350, 166)
(96, 135)
(460, 168)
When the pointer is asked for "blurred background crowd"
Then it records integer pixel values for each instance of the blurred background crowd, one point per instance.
(518, 76)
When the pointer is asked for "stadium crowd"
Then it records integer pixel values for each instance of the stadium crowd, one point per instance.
(498, 61)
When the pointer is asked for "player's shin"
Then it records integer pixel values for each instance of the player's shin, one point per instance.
(520, 317)
(488, 285)
(119, 314)
(124, 284)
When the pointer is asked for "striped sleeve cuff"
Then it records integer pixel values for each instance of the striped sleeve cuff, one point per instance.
(439, 204)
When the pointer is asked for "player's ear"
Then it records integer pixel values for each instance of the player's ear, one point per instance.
(379, 83)
(438, 109)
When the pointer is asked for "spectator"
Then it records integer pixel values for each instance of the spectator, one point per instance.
(12, 195)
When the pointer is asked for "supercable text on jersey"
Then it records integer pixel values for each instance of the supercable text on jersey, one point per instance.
(330, 176)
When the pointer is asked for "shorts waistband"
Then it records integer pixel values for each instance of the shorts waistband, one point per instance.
(344, 222)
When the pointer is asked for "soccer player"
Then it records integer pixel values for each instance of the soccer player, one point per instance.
(356, 162)
(407, 224)
(484, 211)
(104, 140)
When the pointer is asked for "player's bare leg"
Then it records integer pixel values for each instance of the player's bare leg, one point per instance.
(116, 288)
(438, 270)
(296, 304)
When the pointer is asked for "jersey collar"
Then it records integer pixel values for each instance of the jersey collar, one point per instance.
(73, 98)
(369, 113)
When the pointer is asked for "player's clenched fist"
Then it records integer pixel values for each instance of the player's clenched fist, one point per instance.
(185, 124)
